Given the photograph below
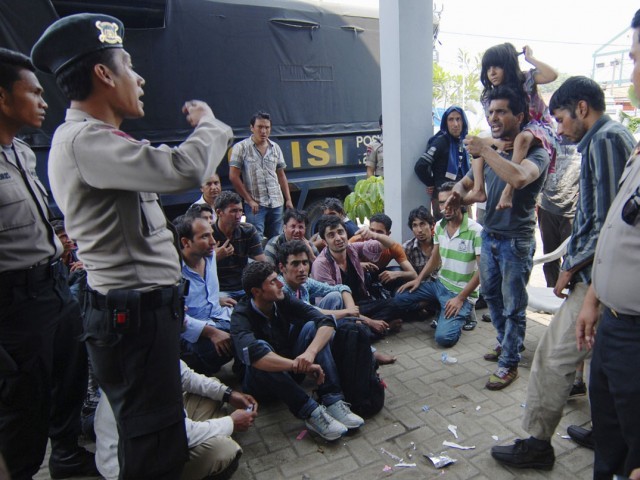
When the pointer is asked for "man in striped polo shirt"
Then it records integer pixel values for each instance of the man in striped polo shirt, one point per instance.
(457, 245)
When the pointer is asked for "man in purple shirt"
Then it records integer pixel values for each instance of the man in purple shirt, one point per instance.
(205, 344)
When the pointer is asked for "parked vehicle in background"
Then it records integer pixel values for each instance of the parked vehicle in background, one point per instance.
(314, 66)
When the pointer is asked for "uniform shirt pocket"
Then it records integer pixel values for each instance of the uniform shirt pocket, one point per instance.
(153, 220)
(15, 209)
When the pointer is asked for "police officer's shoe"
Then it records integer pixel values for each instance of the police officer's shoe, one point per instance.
(529, 453)
(581, 436)
(65, 463)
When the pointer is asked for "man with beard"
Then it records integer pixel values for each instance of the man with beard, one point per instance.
(445, 159)
(508, 240)
(456, 250)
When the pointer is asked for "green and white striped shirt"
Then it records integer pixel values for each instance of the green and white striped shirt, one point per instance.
(458, 253)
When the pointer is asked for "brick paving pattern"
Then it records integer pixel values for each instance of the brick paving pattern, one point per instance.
(455, 395)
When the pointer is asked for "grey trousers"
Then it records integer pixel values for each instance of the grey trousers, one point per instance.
(554, 368)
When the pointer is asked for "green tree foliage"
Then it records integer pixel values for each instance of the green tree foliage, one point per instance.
(461, 88)
(366, 199)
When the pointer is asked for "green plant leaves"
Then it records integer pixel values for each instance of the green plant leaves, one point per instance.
(366, 199)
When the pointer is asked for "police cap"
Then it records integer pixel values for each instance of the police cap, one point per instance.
(71, 38)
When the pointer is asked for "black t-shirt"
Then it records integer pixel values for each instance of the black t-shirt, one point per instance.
(351, 279)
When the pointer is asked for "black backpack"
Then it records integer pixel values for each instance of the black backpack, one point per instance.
(361, 384)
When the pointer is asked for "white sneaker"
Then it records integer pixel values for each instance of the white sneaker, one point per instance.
(324, 424)
(341, 412)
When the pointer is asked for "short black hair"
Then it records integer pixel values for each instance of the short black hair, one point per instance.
(328, 221)
(292, 247)
(184, 225)
(332, 203)
(227, 198)
(196, 210)
(75, 80)
(446, 187)
(574, 90)
(383, 219)
(421, 213)
(11, 63)
(518, 103)
(254, 275)
(635, 23)
(257, 115)
(298, 215)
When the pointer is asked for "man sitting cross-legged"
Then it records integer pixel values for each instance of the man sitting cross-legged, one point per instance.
(336, 300)
(295, 227)
(457, 245)
(206, 343)
(280, 339)
(340, 263)
(236, 241)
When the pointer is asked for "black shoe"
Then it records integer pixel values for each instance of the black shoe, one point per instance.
(486, 317)
(523, 455)
(79, 463)
(581, 436)
(579, 389)
(469, 325)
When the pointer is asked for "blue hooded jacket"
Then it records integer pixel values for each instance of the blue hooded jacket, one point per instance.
(455, 144)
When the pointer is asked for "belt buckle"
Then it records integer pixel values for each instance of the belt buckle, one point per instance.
(614, 313)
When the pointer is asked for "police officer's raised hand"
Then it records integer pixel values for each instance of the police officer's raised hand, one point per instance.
(195, 110)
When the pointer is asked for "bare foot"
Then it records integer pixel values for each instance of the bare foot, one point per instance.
(383, 359)
(506, 200)
(476, 196)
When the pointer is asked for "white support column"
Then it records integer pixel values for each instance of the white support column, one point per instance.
(406, 55)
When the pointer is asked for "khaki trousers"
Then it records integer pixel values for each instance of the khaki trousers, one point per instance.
(214, 455)
(554, 368)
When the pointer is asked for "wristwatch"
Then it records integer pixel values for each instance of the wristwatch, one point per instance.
(227, 395)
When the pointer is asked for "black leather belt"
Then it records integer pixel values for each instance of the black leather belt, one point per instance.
(497, 236)
(36, 273)
(159, 297)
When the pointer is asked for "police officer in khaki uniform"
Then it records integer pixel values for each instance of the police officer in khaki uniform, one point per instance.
(100, 178)
(42, 364)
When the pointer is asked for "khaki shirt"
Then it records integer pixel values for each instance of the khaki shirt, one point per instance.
(375, 158)
(617, 259)
(26, 237)
(102, 180)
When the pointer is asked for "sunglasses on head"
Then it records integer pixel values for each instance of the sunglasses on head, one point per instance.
(631, 208)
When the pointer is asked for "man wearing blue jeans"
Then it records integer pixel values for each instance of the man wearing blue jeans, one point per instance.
(457, 246)
(280, 339)
(508, 241)
(256, 171)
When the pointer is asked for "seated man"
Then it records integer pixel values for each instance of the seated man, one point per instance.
(205, 341)
(339, 263)
(295, 228)
(237, 241)
(420, 248)
(392, 279)
(457, 246)
(210, 189)
(333, 206)
(336, 300)
(280, 340)
(212, 451)
(202, 210)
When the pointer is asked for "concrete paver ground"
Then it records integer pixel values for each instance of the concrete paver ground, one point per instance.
(455, 395)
